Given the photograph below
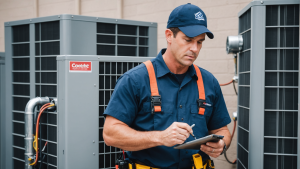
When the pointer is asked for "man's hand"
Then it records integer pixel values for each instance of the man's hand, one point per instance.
(213, 149)
(176, 133)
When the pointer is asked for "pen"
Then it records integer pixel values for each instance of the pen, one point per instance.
(192, 133)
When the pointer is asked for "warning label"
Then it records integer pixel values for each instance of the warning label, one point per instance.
(76, 66)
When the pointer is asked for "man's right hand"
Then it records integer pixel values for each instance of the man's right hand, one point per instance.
(176, 133)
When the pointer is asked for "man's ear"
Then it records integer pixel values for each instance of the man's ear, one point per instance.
(169, 35)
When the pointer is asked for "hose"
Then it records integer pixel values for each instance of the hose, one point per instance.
(225, 84)
(234, 87)
(35, 142)
(234, 162)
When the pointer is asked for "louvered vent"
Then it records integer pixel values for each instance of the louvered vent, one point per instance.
(281, 86)
(20, 86)
(108, 74)
(122, 40)
(244, 90)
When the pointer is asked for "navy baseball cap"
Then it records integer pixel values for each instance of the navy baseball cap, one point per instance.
(190, 19)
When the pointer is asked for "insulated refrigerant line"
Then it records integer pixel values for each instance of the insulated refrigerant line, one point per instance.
(29, 109)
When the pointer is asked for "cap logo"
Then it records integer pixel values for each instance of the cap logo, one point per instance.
(199, 16)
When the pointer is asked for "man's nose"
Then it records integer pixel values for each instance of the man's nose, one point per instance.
(194, 47)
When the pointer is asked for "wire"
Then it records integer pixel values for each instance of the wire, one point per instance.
(35, 142)
(42, 159)
(234, 87)
(234, 162)
(225, 84)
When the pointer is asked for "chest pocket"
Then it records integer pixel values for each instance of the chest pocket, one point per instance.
(157, 121)
(200, 121)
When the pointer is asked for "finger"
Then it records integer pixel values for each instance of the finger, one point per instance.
(179, 134)
(183, 132)
(181, 137)
(214, 144)
(211, 150)
(184, 126)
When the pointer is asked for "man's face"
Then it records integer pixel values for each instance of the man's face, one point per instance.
(185, 49)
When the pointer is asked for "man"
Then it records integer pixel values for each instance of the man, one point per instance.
(149, 137)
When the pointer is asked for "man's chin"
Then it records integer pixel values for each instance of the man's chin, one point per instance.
(187, 63)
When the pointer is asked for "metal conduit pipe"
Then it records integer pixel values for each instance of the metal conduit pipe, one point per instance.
(29, 111)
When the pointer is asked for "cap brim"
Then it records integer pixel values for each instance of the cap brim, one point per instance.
(195, 30)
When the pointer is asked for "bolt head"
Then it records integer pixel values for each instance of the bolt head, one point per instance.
(261, 2)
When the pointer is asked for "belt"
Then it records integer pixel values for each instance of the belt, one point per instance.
(139, 166)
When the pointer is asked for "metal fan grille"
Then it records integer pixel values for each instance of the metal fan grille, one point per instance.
(281, 86)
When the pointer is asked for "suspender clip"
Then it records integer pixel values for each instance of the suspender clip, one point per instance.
(155, 104)
(201, 103)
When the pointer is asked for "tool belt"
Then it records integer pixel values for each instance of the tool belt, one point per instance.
(198, 164)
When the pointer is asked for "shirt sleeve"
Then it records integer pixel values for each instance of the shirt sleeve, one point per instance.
(123, 104)
(220, 116)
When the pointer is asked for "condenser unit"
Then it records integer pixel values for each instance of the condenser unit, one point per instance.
(2, 108)
(268, 120)
(31, 71)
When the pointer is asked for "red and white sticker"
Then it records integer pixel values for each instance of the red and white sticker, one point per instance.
(82, 66)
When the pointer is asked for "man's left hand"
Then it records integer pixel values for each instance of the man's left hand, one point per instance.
(213, 149)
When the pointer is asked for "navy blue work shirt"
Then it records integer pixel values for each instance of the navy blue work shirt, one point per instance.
(130, 103)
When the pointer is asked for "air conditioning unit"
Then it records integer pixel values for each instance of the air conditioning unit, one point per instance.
(2, 105)
(268, 100)
(31, 61)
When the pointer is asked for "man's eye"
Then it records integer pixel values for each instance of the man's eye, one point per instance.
(188, 40)
(199, 42)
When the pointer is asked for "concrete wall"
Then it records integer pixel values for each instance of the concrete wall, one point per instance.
(222, 21)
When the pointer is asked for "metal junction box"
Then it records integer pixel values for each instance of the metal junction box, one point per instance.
(32, 47)
(268, 110)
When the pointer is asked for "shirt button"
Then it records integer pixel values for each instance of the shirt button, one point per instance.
(180, 89)
(180, 106)
(182, 119)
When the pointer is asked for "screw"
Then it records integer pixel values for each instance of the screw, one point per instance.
(94, 85)
(93, 153)
(30, 20)
(261, 2)
(98, 57)
(93, 141)
(72, 16)
(116, 20)
(97, 18)
(59, 16)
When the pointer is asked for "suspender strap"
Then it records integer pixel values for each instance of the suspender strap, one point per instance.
(201, 100)
(155, 97)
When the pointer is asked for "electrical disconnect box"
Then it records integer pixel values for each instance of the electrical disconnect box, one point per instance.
(268, 113)
(32, 70)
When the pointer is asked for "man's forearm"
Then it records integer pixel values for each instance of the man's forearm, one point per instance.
(224, 132)
(122, 136)
(118, 134)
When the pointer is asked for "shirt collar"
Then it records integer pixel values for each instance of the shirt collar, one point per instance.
(162, 69)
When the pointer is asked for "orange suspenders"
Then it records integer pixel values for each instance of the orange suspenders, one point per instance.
(201, 100)
(156, 98)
